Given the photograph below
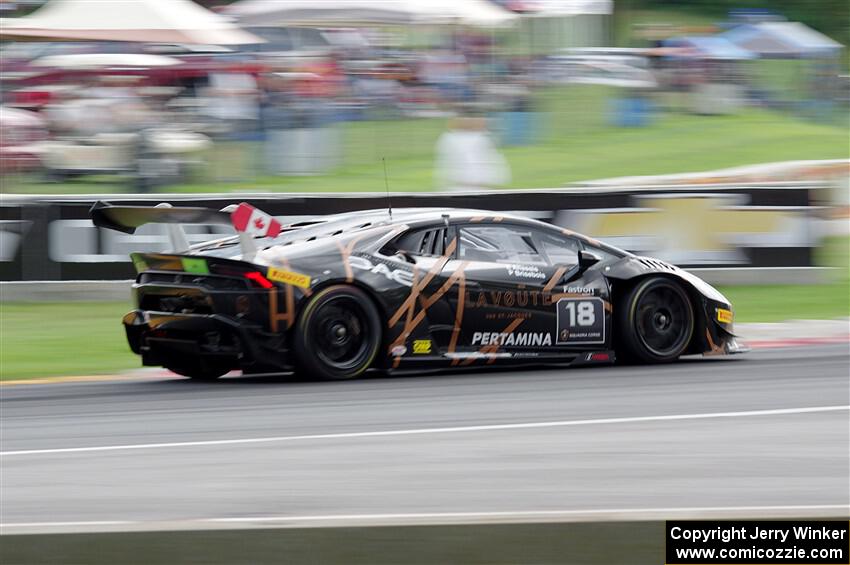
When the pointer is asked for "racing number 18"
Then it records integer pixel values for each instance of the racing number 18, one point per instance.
(581, 320)
(581, 313)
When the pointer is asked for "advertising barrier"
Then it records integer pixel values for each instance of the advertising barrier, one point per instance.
(722, 226)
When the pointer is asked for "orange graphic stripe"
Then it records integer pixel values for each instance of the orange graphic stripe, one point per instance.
(559, 272)
(427, 303)
(410, 301)
(461, 302)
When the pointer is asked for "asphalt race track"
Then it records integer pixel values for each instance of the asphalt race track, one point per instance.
(764, 433)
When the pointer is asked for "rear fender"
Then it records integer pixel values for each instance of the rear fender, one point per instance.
(379, 304)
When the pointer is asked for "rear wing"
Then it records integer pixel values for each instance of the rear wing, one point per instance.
(127, 218)
(247, 220)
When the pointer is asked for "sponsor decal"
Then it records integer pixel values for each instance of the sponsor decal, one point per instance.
(470, 356)
(421, 346)
(195, 265)
(401, 276)
(508, 298)
(525, 271)
(581, 320)
(520, 339)
(510, 315)
(288, 277)
(724, 316)
(579, 290)
(398, 351)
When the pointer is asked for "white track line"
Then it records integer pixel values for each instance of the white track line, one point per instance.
(423, 431)
(462, 517)
(68, 524)
(526, 514)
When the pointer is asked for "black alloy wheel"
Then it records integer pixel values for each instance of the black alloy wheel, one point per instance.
(338, 334)
(656, 320)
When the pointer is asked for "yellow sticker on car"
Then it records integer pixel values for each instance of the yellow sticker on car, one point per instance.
(724, 316)
(288, 277)
(422, 346)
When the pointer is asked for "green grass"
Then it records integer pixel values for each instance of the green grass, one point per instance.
(786, 302)
(84, 338)
(577, 143)
(78, 338)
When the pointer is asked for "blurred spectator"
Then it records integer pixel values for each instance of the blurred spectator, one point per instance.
(467, 157)
(448, 72)
(233, 98)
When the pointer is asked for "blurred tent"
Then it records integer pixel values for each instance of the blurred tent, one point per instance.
(160, 21)
(714, 72)
(783, 40)
(548, 8)
(550, 25)
(337, 12)
(711, 47)
(799, 68)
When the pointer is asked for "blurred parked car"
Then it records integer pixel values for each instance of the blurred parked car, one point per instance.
(149, 155)
(116, 133)
(609, 70)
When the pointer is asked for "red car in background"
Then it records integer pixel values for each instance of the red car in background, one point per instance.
(31, 82)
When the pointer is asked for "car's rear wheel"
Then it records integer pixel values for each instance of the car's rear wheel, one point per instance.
(338, 334)
(656, 321)
(198, 372)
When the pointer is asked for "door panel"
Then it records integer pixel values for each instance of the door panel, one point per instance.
(524, 300)
(510, 308)
(504, 290)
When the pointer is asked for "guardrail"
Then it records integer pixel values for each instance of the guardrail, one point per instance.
(719, 227)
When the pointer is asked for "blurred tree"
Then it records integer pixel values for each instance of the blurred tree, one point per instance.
(831, 17)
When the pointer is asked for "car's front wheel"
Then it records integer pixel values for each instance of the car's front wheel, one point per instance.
(656, 321)
(338, 334)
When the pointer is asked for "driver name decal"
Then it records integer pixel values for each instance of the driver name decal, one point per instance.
(525, 271)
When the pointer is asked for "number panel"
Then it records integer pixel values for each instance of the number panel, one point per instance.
(581, 320)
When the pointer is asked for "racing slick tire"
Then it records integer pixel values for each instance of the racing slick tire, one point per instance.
(655, 321)
(338, 334)
(198, 373)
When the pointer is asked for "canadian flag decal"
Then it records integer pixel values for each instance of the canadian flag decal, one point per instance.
(248, 219)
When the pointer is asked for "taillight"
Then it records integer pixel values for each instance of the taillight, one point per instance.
(258, 279)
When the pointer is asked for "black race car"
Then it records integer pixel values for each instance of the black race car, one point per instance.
(407, 289)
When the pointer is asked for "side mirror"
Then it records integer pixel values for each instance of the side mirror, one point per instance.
(587, 259)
